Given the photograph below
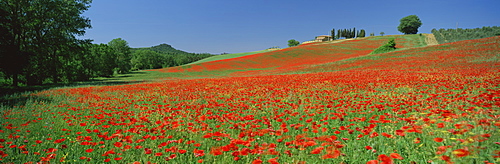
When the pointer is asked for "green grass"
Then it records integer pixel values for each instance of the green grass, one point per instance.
(228, 56)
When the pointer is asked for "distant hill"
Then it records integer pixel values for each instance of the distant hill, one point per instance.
(164, 48)
(171, 56)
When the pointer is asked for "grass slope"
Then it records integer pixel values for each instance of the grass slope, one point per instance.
(227, 56)
(436, 104)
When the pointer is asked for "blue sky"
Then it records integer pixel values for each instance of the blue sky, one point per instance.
(232, 26)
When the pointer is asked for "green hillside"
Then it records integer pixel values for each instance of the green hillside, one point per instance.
(227, 56)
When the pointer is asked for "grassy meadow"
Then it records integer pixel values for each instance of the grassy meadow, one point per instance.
(314, 103)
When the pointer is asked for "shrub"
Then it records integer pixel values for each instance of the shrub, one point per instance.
(293, 42)
(388, 47)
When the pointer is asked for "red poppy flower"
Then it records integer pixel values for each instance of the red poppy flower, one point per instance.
(461, 152)
(257, 161)
(396, 156)
(118, 144)
(385, 159)
(273, 160)
(317, 150)
(445, 158)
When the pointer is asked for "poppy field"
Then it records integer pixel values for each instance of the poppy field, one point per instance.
(318, 103)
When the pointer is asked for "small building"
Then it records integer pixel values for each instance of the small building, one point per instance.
(323, 38)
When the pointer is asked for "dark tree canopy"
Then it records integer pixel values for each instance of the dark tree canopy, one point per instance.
(409, 24)
(38, 39)
(123, 54)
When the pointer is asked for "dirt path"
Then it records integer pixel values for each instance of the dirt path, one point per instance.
(430, 39)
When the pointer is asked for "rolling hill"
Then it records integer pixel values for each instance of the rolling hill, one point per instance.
(297, 58)
(317, 103)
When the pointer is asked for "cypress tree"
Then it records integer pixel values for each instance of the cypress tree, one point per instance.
(333, 34)
(362, 33)
(354, 32)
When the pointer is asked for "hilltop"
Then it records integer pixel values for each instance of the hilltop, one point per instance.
(164, 48)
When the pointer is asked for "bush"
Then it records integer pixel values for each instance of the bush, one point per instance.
(293, 42)
(388, 47)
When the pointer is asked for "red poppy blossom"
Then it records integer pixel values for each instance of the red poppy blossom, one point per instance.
(396, 156)
(118, 144)
(437, 139)
(461, 152)
(317, 150)
(273, 161)
(257, 161)
(385, 159)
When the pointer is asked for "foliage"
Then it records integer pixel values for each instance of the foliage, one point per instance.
(409, 24)
(453, 35)
(104, 60)
(332, 34)
(38, 43)
(362, 33)
(173, 57)
(123, 54)
(148, 59)
(388, 47)
(382, 33)
(293, 42)
(350, 33)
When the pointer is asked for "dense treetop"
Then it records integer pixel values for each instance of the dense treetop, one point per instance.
(409, 24)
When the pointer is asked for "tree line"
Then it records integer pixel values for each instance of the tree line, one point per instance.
(39, 44)
(161, 56)
(458, 34)
(347, 33)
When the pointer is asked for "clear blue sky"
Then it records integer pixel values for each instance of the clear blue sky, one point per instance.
(232, 26)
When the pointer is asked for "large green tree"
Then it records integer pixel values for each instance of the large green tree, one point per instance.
(104, 60)
(38, 38)
(123, 54)
(409, 24)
